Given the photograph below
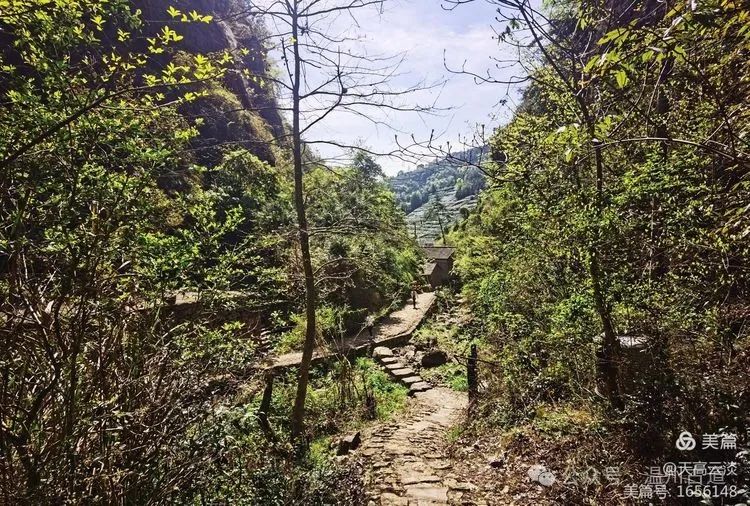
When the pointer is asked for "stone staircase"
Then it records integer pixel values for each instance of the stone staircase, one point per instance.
(400, 371)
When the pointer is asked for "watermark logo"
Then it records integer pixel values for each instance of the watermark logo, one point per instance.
(685, 442)
(541, 475)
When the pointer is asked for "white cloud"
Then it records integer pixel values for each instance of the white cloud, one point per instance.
(425, 33)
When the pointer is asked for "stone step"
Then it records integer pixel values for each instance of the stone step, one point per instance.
(382, 351)
(402, 373)
(410, 380)
(394, 366)
(419, 387)
(388, 360)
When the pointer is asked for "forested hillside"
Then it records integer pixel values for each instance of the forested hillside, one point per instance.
(440, 193)
(608, 271)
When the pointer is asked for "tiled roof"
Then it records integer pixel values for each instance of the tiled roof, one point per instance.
(438, 252)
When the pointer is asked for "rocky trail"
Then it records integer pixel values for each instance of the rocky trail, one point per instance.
(392, 330)
(405, 460)
(400, 370)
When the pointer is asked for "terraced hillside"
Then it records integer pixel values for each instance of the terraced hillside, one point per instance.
(441, 192)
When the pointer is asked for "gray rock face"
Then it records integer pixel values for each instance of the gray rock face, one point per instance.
(434, 358)
(236, 115)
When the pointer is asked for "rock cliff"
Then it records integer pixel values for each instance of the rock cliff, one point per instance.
(239, 111)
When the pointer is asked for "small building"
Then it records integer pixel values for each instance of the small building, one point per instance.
(438, 264)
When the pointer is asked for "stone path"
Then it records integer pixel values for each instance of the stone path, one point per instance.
(405, 463)
(400, 371)
(392, 329)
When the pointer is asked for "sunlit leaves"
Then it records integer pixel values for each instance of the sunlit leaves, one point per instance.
(192, 16)
(622, 78)
(92, 208)
(98, 21)
(168, 35)
(618, 35)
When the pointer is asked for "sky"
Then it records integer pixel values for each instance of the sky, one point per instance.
(424, 33)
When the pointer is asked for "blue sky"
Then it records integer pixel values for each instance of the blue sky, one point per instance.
(425, 32)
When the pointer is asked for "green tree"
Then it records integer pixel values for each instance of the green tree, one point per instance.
(615, 187)
(366, 164)
(105, 216)
(319, 80)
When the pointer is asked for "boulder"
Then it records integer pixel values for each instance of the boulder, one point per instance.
(408, 352)
(434, 358)
(349, 443)
(418, 357)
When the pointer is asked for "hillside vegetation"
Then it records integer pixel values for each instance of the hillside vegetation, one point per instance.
(440, 193)
(624, 213)
(149, 261)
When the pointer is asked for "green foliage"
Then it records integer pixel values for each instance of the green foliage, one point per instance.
(390, 397)
(663, 223)
(244, 469)
(561, 420)
(451, 374)
(330, 323)
(415, 188)
(455, 340)
(362, 252)
(108, 218)
(247, 469)
(454, 182)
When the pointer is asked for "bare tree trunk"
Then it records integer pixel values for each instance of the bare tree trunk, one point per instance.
(341, 80)
(298, 413)
(471, 377)
(265, 409)
(656, 262)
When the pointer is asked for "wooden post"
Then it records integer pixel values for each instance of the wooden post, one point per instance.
(471, 375)
(265, 408)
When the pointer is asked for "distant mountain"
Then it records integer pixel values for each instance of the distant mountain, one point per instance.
(445, 189)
